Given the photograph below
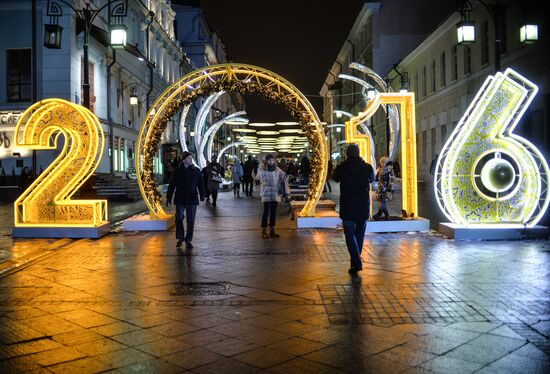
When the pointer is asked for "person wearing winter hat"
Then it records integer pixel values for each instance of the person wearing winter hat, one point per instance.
(188, 184)
(355, 177)
(384, 176)
(272, 179)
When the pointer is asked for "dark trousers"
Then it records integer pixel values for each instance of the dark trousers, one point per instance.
(270, 209)
(214, 194)
(248, 185)
(355, 235)
(181, 210)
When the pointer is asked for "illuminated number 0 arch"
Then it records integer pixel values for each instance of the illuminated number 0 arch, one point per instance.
(231, 77)
(47, 201)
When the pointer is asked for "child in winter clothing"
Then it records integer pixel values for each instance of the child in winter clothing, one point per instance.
(385, 177)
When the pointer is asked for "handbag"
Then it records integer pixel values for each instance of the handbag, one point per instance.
(283, 187)
(216, 178)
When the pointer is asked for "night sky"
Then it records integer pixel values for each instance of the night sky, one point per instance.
(297, 39)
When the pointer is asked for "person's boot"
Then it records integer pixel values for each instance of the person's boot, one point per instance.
(264, 233)
(377, 216)
(272, 233)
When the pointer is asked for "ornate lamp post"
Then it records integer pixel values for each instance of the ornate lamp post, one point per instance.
(53, 31)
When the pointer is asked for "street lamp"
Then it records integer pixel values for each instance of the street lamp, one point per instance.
(53, 31)
(497, 12)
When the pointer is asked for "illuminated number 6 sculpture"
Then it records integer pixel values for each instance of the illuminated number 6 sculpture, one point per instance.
(47, 201)
(408, 142)
(486, 174)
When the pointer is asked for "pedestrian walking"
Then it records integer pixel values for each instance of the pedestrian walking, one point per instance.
(188, 184)
(248, 180)
(273, 185)
(214, 172)
(305, 169)
(329, 175)
(384, 191)
(25, 179)
(236, 175)
(205, 178)
(355, 177)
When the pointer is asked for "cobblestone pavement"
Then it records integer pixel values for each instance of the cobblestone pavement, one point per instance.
(131, 302)
(18, 252)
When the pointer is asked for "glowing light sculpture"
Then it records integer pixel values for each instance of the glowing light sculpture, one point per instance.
(222, 151)
(408, 142)
(183, 130)
(391, 109)
(485, 174)
(209, 135)
(216, 78)
(202, 116)
(48, 202)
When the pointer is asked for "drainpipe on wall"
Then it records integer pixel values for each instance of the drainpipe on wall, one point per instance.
(109, 116)
(34, 74)
(150, 65)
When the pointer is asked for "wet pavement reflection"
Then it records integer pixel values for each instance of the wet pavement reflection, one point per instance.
(133, 302)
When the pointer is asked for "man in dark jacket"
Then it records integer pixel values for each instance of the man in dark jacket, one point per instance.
(187, 180)
(248, 169)
(355, 177)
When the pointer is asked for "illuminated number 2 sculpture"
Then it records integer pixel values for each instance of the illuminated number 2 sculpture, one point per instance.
(47, 201)
(485, 174)
(408, 142)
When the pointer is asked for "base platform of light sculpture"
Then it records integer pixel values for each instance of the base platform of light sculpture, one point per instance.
(95, 232)
(491, 232)
(324, 219)
(406, 225)
(145, 222)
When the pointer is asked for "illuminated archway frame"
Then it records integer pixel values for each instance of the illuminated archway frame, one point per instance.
(235, 77)
(487, 126)
(408, 142)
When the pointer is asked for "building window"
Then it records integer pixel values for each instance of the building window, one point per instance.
(424, 81)
(91, 79)
(18, 67)
(416, 88)
(443, 70)
(115, 154)
(503, 39)
(122, 155)
(433, 76)
(424, 147)
(467, 59)
(454, 62)
(443, 134)
(484, 43)
(434, 142)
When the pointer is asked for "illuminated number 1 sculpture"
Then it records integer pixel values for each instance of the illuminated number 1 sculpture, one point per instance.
(485, 173)
(408, 142)
(47, 202)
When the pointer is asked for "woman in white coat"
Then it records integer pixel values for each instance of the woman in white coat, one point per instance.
(273, 184)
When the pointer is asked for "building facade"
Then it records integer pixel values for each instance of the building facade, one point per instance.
(445, 78)
(150, 62)
(382, 33)
(204, 47)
